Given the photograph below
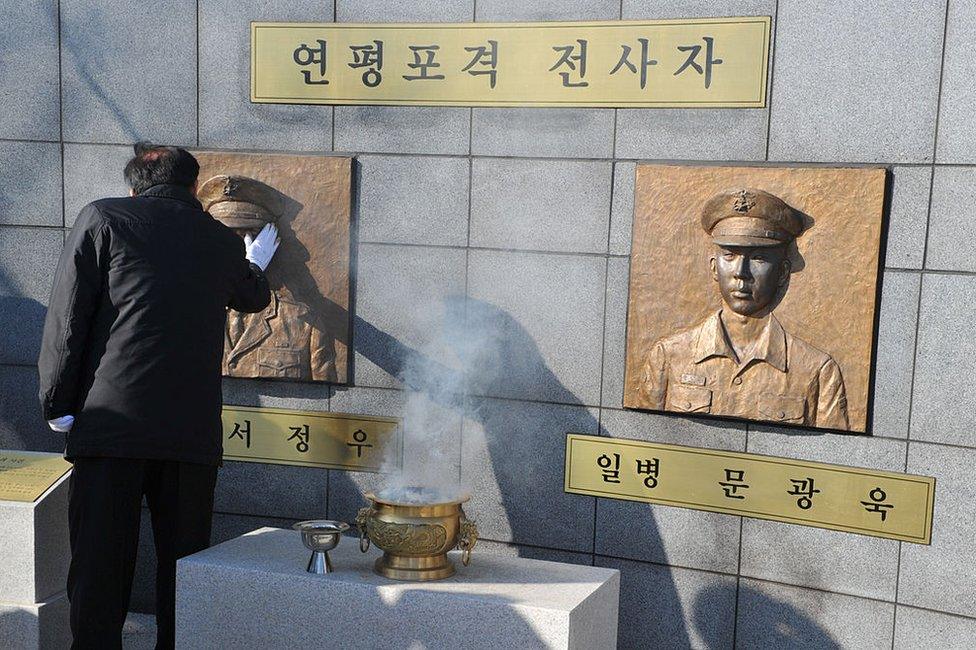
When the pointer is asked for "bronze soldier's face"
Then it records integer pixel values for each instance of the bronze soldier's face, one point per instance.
(750, 277)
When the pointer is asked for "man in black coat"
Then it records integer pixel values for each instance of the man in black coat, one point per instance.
(130, 369)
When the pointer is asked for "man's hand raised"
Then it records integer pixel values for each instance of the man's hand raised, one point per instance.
(260, 249)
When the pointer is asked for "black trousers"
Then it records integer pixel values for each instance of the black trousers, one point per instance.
(104, 508)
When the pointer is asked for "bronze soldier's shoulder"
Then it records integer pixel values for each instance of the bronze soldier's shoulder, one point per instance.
(682, 339)
(805, 355)
(288, 303)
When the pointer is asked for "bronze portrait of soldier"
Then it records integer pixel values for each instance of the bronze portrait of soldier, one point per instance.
(740, 361)
(753, 293)
(281, 342)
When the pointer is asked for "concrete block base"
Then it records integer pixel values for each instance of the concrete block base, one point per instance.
(253, 592)
(41, 626)
(34, 551)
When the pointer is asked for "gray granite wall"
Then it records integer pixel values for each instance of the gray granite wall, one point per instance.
(527, 212)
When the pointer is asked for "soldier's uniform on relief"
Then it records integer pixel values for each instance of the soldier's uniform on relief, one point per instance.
(774, 376)
(277, 342)
(280, 342)
(785, 379)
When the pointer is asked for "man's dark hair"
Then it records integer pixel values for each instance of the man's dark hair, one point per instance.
(159, 165)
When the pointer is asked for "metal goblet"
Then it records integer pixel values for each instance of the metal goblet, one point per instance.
(320, 536)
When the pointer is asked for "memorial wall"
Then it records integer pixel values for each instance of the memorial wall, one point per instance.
(510, 276)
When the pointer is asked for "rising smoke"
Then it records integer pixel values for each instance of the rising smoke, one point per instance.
(435, 378)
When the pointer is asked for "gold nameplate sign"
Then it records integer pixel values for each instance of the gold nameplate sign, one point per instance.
(26, 475)
(685, 63)
(312, 438)
(851, 499)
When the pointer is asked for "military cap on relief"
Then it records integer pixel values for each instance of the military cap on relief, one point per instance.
(750, 217)
(239, 201)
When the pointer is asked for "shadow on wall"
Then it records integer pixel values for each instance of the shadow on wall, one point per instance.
(770, 623)
(512, 366)
(105, 57)
(21, 323)
(507, 362)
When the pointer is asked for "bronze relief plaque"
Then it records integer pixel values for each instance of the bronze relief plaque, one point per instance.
(753, 291)
(303, 335)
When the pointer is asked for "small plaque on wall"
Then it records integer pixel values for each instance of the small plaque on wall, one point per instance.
(312, 438)
(851, 499)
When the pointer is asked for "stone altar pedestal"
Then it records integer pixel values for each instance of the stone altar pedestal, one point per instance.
(253, 592)
(34, 557)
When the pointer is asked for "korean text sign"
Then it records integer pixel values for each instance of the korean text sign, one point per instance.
(691, 63)
(313, 439)
(851, 499)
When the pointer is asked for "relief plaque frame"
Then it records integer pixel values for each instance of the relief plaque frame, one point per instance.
(754, 291)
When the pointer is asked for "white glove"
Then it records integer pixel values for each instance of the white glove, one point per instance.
(62, 424)
(260, 249)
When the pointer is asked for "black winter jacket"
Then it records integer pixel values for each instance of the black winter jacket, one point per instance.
(135, 327)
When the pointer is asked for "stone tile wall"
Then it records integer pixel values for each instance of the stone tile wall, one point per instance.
(523, 216)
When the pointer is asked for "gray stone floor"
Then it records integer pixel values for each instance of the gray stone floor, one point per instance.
(139, 632)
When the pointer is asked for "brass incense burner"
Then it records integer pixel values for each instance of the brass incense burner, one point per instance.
(415, 528)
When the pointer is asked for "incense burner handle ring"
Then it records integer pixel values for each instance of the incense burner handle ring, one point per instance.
(467, 538)
(361, 519)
